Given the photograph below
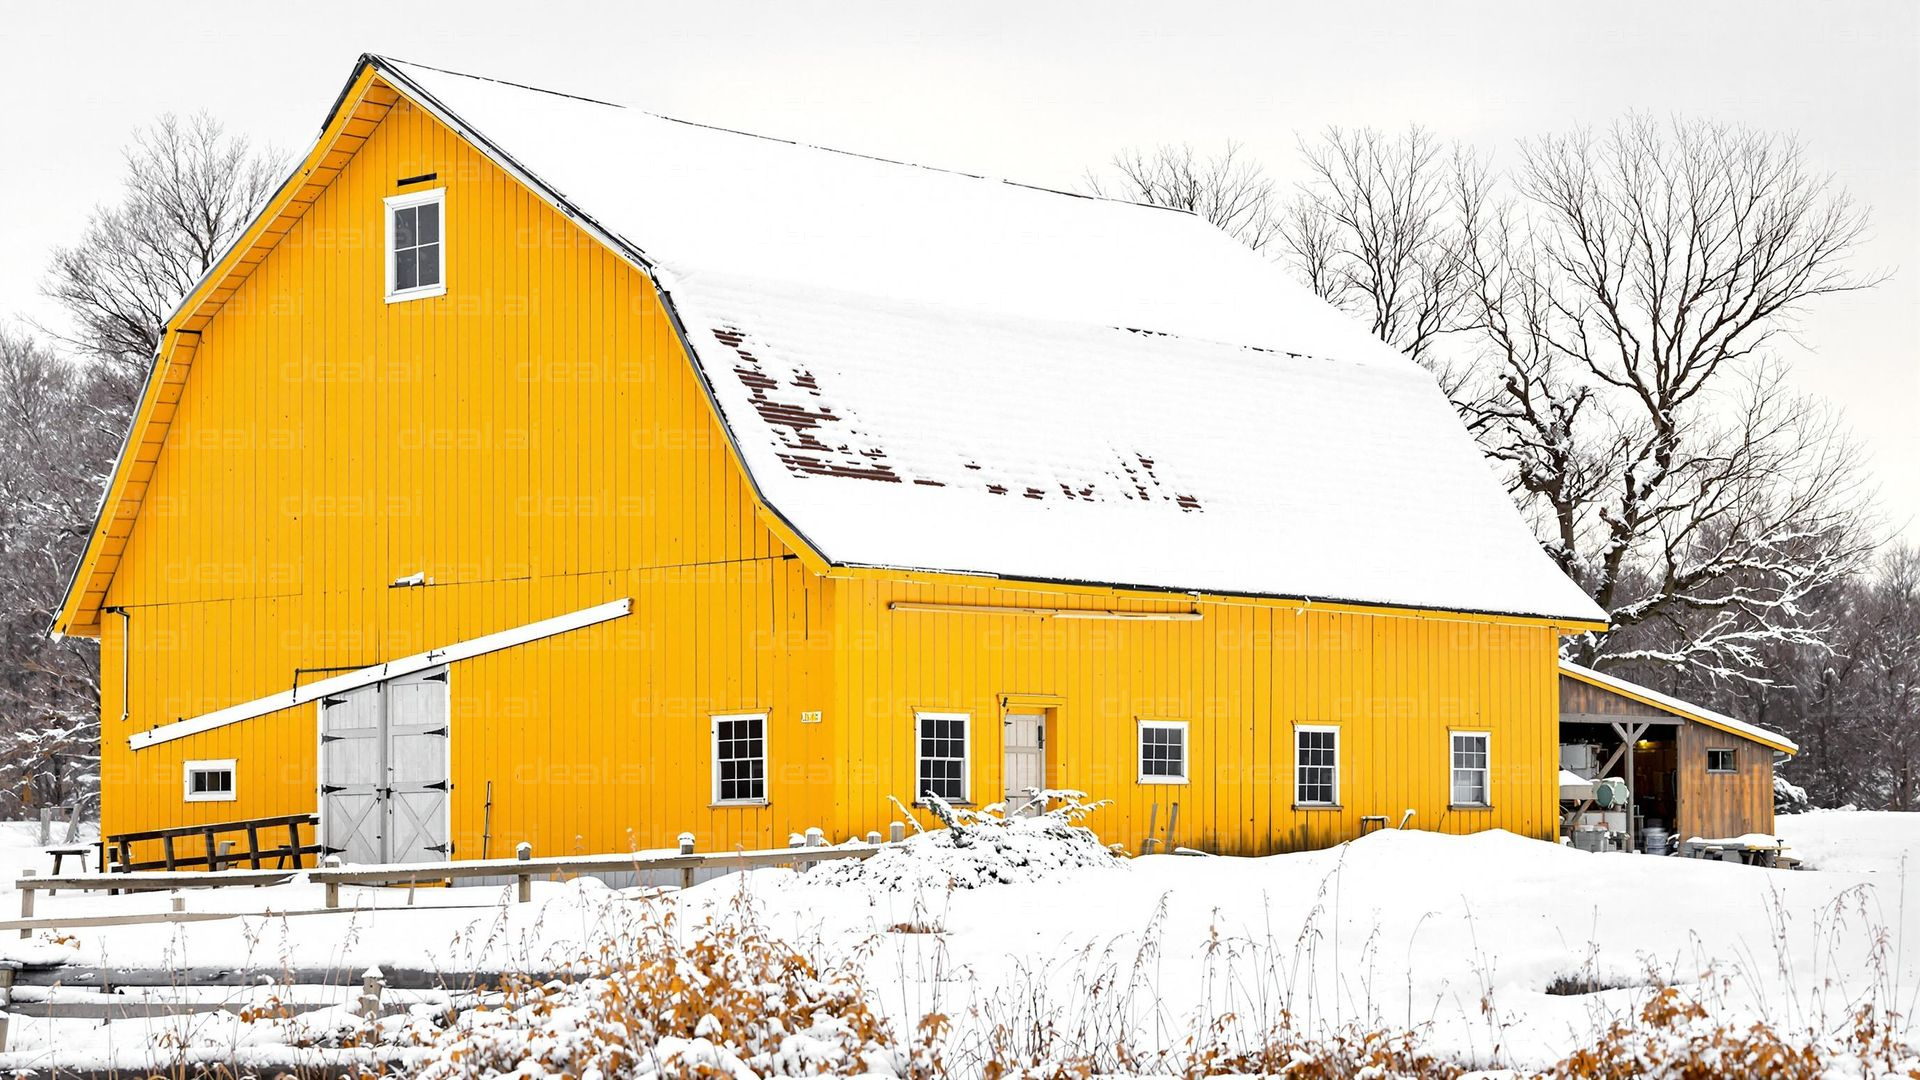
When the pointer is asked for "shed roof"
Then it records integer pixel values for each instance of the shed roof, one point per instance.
(928, 370)
(1685, 709)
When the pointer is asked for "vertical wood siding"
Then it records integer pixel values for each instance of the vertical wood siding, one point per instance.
(1718, 805)
(1242, 677)
(1579, 698)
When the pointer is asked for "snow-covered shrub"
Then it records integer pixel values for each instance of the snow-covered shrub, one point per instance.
(1673, 1037)
(982, 847)
(725, 1000)
(1789, 797)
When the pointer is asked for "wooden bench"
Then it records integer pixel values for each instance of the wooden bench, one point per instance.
(62, 854)
(116, 851)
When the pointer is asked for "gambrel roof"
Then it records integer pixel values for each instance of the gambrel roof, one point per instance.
(928, 370)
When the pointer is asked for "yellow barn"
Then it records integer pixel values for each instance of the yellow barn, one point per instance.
(538, 469)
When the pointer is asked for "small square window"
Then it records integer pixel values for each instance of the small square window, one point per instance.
(740, 758)
(209, 781)
(1722, 761)
(1163, 751)
(416, 252)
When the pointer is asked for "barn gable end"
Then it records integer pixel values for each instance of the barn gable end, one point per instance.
(531, 444)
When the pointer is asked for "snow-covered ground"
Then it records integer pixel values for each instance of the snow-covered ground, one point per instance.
(1876, 842)
(1457, 938)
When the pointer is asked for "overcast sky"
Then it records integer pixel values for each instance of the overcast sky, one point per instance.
(1037, 93)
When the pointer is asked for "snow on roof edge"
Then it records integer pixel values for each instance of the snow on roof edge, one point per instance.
(1307, 602)
(1685, 708)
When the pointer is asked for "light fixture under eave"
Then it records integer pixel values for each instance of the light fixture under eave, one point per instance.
(1106, 614)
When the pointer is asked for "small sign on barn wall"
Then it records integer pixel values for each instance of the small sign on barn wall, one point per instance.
(810, 717)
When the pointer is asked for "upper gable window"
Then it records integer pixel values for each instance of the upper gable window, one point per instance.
(416, 248)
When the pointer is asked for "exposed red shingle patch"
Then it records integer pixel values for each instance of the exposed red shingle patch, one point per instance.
(799, 424)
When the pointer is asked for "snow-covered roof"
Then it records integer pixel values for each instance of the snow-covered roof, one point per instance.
(1687, 709)
(931, 370)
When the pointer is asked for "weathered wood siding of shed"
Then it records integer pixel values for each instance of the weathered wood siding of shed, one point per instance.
(1710, 804)
(1584, 699)
(1715, 805)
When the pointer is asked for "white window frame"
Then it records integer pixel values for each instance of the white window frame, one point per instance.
(438, 197)
(1733, 750)
(1486, 771)
(226, 765)
(966, 753)
(713, 745)
(1186, 750)
(1298, 765)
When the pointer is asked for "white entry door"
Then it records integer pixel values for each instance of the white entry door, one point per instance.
(384, 771)
(1026, 761)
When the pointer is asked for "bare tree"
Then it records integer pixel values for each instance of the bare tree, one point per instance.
(1602, 317)
(1378, 228)
(191, 189)
(52, 446)
(1853, 704)
(1226, 189)
(1627, 296)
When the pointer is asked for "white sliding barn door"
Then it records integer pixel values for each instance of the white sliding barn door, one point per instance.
(384, 771)
(352, 775)
(417, 782)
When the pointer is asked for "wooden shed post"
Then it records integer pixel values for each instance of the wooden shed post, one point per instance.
(1629, 736)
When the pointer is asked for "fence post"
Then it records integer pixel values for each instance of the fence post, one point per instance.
(897, 832)
(686, 872)
(179, 902)
(26, 899)
(46, 825)
(873, 837)
(330, 862)
(6, 1003)
(524, 851)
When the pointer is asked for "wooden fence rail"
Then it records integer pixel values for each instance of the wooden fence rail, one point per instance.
(522, 871)
(116, 851)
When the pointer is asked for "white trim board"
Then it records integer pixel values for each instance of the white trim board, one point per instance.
(366, 676)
